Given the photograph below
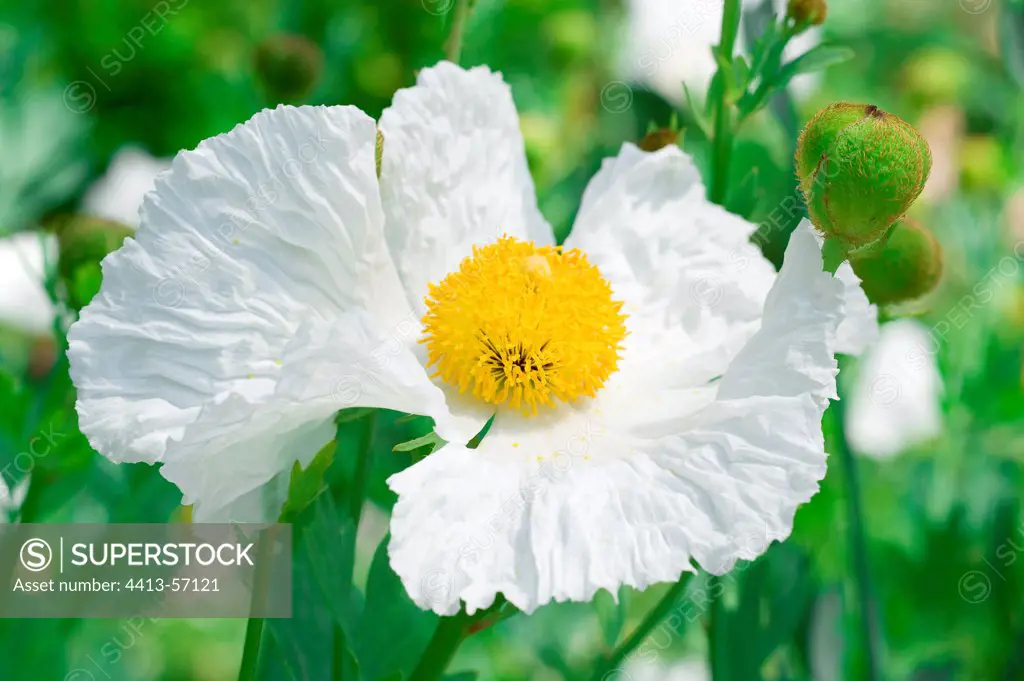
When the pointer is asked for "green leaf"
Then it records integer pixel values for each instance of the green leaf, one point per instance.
(815, 59)
(554, 657)
(305, 485)
(431, 439)
(461, 676)
(773, 78)
(352, 414)
(327, 543)
(763, 47)
(742, 77)
(743, 199)
(611, 614)
(321, 565)
(393, 631)
(789, 594)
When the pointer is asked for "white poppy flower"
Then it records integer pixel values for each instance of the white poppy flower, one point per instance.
(118, 194)
(275, 280)
(895, 403)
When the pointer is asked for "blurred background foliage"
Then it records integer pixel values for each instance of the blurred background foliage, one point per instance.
(82, 81)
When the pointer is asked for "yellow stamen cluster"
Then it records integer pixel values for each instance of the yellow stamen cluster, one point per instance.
(524, 325)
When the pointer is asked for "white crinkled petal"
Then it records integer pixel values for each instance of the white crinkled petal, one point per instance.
(453, 173)
(351, 362)
(233, 463)
(259, 237)
(859, 328)
(561, 505)
(683, 266)
(896, 401)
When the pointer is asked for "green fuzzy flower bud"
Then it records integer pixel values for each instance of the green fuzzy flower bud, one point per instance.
(860, 169)
(907, 266)
(812, 12)
(288, 66)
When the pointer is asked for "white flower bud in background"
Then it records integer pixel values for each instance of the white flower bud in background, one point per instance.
(118, 194)
(24, 303)
(895, 401)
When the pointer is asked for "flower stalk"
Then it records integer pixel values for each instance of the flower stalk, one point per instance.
(254, 628)
(251, 649)
(653, 618)
(723, 115)
(452, 631)
(453, 47)
(447, 638)
(857, 544)
(356, 499)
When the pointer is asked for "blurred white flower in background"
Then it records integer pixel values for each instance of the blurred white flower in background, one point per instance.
(895, 401)
(689, 669)
(24, 303)
(11, 498)
(668, 42)
(118, 194)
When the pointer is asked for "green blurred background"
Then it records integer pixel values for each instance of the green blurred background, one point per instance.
(97, 95)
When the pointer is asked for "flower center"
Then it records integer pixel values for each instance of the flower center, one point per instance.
(524, 325)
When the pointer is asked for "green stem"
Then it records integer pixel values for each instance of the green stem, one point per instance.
(858, 545)
(643, 630)
(340, 651)
(730, 26)
(356, 498)
(364, 459)
(452, 631)
(251, 652)
(753, 102)
(714, 617)
(723, 120)
(447, 638)
(254, 627)
(722, 156)
(453, 47)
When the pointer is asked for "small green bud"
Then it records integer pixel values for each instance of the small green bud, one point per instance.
(983, 164)
(907, 266)
(860, 169)
(936, 75)
(42, 355)
(572, 34)
(288, 66)
(811, 12)
(659, 139)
